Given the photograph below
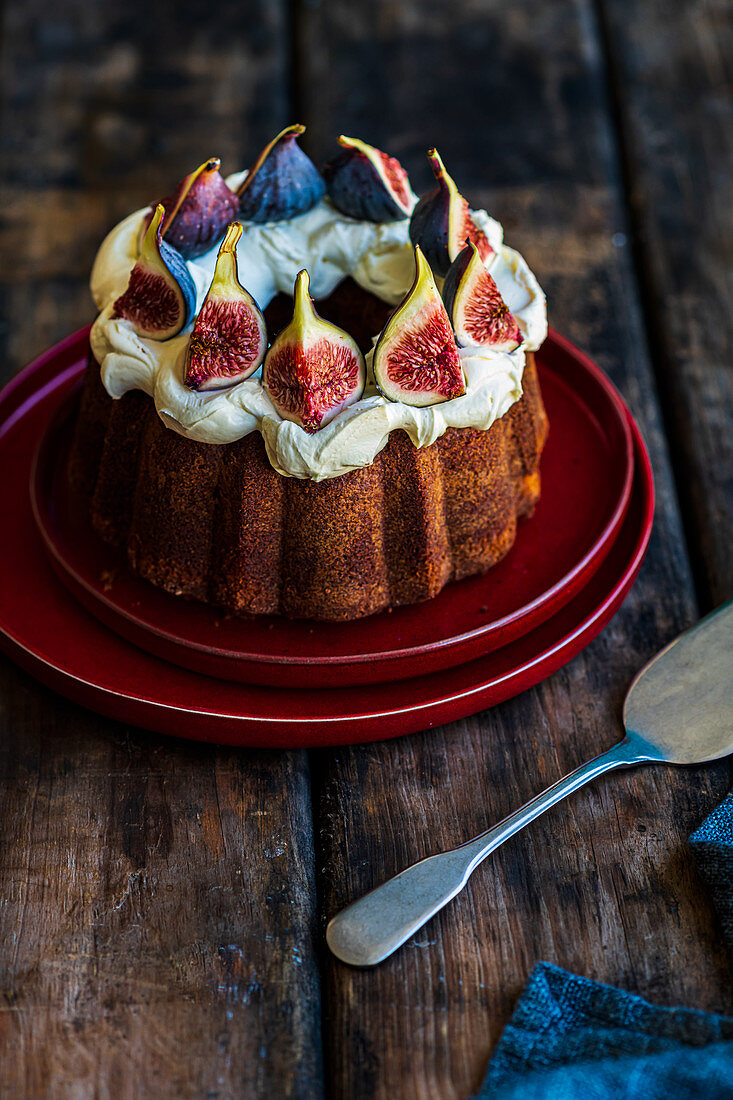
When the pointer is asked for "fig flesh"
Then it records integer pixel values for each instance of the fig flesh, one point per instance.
(478, 312)
(313, 369)
(416, 360)
(161, 296)
(229, 337)
(282, 182)
(442, 221)
(199, 210)
(366, 183)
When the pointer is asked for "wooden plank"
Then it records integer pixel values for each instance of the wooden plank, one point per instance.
(603, 885)
(672, 67)
(103, 111)
(158, 898)
(156, 924)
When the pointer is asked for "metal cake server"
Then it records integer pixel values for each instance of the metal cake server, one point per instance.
(678, 710)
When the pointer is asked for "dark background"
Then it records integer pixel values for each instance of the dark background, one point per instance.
(162, 903)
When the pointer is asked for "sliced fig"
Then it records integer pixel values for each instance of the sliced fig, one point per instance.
(416, 360)
(441, 222)
(229, 337)
(366, 183)
(313, 369)
(282, 182)
(161, 296)
(478, 312)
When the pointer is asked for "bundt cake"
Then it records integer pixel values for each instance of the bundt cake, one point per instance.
(323, 464)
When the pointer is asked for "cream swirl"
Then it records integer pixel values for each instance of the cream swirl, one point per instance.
(379, 258)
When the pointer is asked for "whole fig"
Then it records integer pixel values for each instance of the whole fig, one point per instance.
(229, 337)
(366, 183)
(478, 312)
(313, 369)
(161, 296)
(282, 182)
(416, 360)
(442, 221)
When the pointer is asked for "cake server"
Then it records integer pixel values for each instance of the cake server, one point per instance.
(678, 710)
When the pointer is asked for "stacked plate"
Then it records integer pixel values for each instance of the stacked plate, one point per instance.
(75, 616)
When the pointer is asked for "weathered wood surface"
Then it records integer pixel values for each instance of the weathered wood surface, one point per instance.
(673, 68)
(162, 903)
(158, 899)
(603, 884)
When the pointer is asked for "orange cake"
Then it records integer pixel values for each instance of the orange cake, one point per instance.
(326, 462)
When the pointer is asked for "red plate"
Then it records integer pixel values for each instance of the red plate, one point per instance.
(587, 470)
(47, 632)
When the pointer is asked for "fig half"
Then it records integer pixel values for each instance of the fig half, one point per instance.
(199, 210)
(161, 296)
(313, 369)
(366, 183)
(229, 337)
(442, 221)
(282, 182)
(416, 360)
(478, 312)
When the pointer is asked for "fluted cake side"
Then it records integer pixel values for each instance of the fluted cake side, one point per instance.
(216, 523)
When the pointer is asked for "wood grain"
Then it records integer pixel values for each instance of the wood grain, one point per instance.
(103, 108)
(159, 929)
(158, 899)
(603, 885)
(673, 66)
(157, 912)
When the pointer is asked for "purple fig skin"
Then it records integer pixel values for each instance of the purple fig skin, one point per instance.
(160, 298)
(477, 311)
(282, 183)
(429, 231)
(453, 277)
(441, 222)
(197, 216)
(198, 211)
(367, 184)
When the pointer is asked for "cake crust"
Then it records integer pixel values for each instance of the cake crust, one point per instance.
(216, 523)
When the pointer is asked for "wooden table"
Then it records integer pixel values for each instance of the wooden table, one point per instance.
(163, 903)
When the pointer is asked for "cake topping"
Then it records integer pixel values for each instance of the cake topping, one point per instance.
(198, 211)
(282, 182)
(442, 221)
(332, 246)
(416, 360)
(161, 296)
(478, 313)
(313, 369)
(229, 337)
(366, 183)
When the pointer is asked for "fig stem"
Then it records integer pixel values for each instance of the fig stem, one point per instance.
(444, 179)
(226, 271)
(212, 164)
(303, 310)
(149, 249)
(290, 131)
(231, 238)
(423, 271)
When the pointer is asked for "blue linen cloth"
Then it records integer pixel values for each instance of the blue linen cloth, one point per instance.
(712, 847)
(571, 1038)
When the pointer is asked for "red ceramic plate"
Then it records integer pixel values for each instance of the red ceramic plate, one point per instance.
(587, 470)
(48, 632)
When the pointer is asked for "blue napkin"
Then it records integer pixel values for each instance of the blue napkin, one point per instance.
(571, 1038)
(712, 847)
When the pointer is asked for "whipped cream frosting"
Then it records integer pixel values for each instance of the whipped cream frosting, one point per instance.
(332, 246)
